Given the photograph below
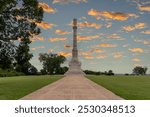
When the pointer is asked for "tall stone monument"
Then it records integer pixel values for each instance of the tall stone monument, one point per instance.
(74, 64)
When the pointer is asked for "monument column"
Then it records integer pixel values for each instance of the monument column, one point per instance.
(74, 50)
(74, 64)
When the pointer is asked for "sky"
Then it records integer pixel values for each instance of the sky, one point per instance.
(112, 34)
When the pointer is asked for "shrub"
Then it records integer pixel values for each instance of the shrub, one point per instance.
(9, 73)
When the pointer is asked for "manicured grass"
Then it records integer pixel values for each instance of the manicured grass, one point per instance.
(128, 87)
(12, 88)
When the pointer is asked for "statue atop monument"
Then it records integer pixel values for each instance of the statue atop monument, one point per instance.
(75, 64)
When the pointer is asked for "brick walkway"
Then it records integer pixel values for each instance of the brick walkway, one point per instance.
(72, 88)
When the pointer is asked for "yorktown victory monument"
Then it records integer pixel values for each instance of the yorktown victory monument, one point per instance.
(74, 64)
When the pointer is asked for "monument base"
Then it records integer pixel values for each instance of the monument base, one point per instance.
(75, 68)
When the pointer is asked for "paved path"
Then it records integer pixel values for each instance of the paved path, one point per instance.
(72, 88)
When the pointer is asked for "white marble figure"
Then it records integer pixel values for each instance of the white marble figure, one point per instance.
(74, 64)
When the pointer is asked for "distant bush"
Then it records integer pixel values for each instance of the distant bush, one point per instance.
(9, 73)
(90, 72)
(126, 74)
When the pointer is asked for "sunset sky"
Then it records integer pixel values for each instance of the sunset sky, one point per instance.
(112, 34)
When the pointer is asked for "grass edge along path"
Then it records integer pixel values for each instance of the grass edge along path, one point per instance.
(12, 88)
(127, 87)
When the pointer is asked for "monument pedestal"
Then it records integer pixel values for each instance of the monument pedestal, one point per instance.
(75, 68)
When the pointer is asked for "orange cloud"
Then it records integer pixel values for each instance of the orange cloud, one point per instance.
(134, 27)
(57, 39)
(136, 59)
(89, 57)
(68, 1)
(110, 15)
(41, 47)
(44, 25)
(46, 8)
(146, 32)
(89, 24)
(67, 46)
(37, 37)
(137, 50)
(146, 42)
(144, 8)
(81, 38)
(85, 53)
(40, 38)
(66, 54)
(98, 51)
(61, 32)
(115, 36)
(101, 57)
(107, 45)
(117, 55)
(33, 49)
(88, 53)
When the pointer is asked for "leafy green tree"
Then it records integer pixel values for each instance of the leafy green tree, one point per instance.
(19, 23)
(6, 55)
(22, 57)
(32, 70)
(62, 70)
(110, 73)
(139, 70)
(51, 62)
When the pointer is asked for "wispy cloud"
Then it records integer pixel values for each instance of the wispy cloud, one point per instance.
(33, 49)
(145, 42)
(144, 7)
(101, 56)
(89, 53)
(68, 1)
(66, 54)
(140, 50)
(57, 39)
(108, 25)
(45, 25)
(46, 7)
(110, 15)
(115, 36)
(67, 46)
(117, 55)
(107, 45)
(40, 47)
(81, 38)
(146, 32)
(89, 24)
(136, 59)
(37, 37)
(134, 27)
(97, 51)
(88, 57)
(61, 32)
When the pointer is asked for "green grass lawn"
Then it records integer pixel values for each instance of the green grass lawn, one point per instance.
(12, 88)
(128, 87)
